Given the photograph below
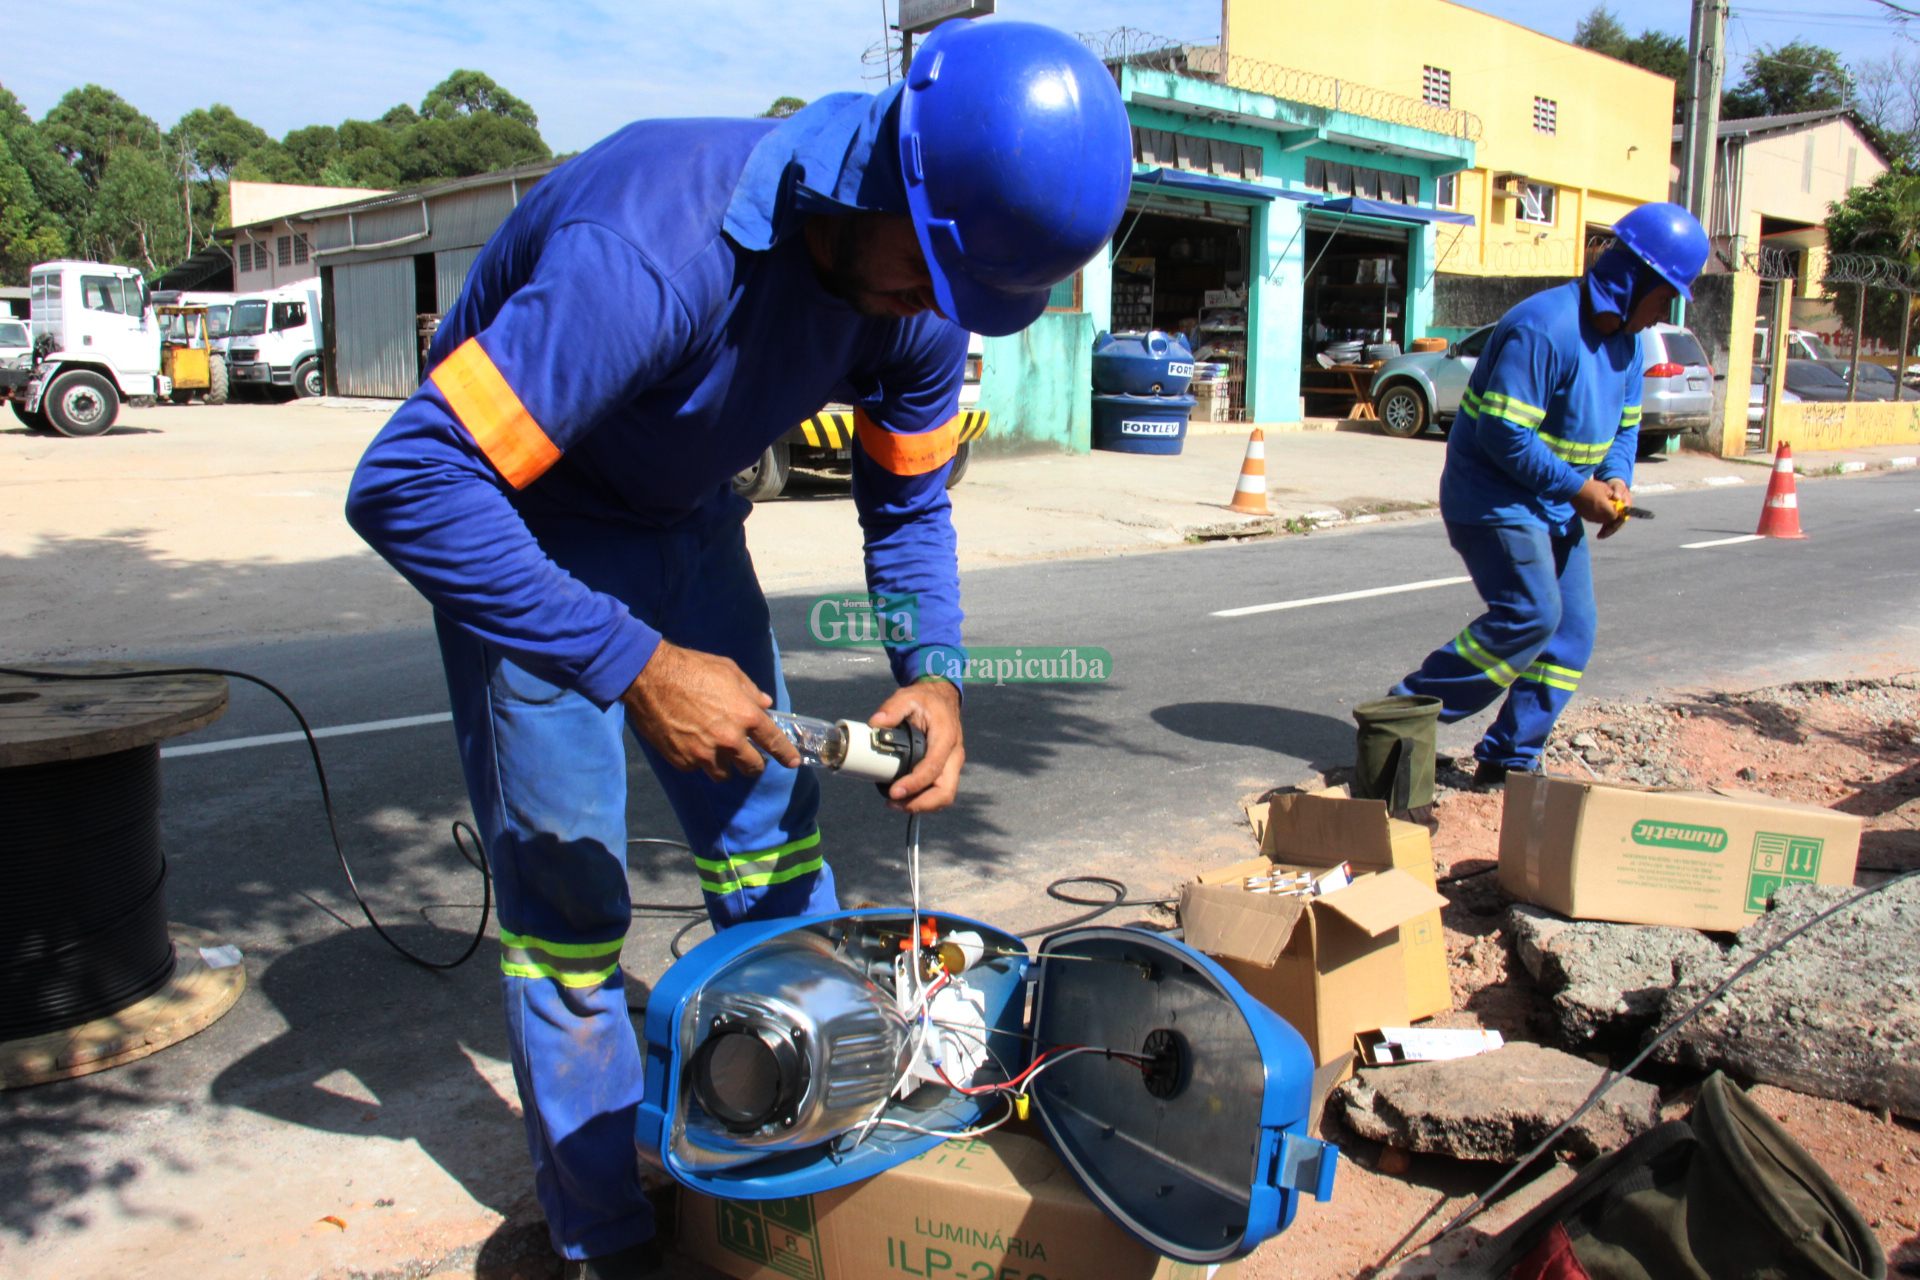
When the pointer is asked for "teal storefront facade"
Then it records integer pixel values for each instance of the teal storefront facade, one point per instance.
(1271, 230)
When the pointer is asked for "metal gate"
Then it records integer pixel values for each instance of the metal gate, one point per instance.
(376, 342)
(450, 267)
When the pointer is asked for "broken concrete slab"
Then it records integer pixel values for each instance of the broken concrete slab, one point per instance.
(1834, 1014)
(1608, 982)
(1495, 1106)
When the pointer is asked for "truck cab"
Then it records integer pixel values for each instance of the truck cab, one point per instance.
(96, 345)
(273, 339)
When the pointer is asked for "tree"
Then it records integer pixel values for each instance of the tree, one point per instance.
(782, 108)
(29, 231)
(312, 149)
(135, 213)
(1601, 32)
(1655, 51)
(1786, 79)
(54, 183)
(1887, 96)
(473, 93)
(460, 147)
(90, 124)
(1882, 218)
(217, 138)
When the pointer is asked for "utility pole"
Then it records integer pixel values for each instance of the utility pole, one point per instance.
(1706, 69)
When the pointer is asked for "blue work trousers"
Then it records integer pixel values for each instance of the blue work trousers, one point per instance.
(547, 774)
(1532, 643)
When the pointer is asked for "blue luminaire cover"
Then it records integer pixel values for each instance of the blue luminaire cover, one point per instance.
(1195, 1140)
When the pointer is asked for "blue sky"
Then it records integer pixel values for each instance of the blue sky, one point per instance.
(588, 66)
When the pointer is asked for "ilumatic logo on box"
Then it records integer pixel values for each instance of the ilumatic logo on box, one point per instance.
(1778, 860)
(1679, 835)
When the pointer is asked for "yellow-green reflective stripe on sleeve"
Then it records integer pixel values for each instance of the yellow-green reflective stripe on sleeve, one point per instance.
(1630, 416)
(777, 865)
(1497, 671)
(571, 964)
(1578, 452)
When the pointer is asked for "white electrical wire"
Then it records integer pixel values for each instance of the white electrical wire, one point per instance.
(952, 1133)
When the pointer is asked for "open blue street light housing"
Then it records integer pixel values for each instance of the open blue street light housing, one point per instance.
(787, 1057)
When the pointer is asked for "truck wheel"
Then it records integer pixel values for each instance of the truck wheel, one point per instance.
(81, 403)
(765, 479)
(35, 422)
(1402, 410)
(216, 380)
(308, 381)
(961, 457)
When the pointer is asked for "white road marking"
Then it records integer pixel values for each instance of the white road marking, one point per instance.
(1429, 584)
(1722, 542)
(1720, 480)
(1655, 488)
(276, 739)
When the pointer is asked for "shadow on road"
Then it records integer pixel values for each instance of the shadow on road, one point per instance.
(1323, 741)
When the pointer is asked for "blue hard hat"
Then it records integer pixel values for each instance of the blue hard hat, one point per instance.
(1668, 239)
(1017, 156)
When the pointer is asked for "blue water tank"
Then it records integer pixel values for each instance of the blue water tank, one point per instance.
(1141, 364)
(1141, 424)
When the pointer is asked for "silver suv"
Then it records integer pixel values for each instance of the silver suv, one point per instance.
(1422, 389)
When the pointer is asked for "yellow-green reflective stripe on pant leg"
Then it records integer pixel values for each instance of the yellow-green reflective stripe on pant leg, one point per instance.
(1554, 677)
(777, 865)
(1495, 670)
(571, 964)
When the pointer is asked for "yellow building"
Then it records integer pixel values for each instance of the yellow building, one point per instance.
(1567, 140)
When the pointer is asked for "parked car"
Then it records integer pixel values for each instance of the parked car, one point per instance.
(1878, 383)
(1815, 380)
(1411, 392)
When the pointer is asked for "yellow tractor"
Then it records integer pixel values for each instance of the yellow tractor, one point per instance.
(187, 355)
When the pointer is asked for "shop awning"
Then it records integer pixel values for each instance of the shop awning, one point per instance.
(1363, 207)
(1181, 180)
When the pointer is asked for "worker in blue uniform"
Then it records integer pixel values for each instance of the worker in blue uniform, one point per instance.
(654, 315)
(1545, 439)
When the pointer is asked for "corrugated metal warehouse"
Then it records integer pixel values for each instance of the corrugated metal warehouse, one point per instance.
(390, 267)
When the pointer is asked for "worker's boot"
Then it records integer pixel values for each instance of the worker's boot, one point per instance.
(1489, 776)
(640, 1262)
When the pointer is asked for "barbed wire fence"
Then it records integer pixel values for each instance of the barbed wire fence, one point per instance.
(1134, 47)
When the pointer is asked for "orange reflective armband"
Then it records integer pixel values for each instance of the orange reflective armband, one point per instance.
(908, 455)
(489, 408)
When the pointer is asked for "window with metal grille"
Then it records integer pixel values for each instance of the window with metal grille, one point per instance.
(1536, 203)
(285, 248)
(300, 249)
(1546, 115)
(242, 256)
(1436, 86)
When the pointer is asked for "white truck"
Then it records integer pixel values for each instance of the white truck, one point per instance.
(96, 345)
(273, 339)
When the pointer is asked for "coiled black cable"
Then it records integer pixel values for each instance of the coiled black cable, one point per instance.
(83, 924)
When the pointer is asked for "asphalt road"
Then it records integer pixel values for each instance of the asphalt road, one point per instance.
(1061, 778)
(1136, 777)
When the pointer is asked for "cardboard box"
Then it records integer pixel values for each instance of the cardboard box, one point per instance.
(1001, 1206)
(1312, 828)
(1337, 965)
(1697, 859)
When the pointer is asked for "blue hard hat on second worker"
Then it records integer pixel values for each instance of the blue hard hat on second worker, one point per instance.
(1668, 239)
(1017, 156)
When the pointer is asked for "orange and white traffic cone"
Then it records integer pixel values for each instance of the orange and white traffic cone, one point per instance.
(1250, 494)
(1780, 517)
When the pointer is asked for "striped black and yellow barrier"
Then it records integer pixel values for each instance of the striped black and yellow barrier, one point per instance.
(833, 428)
